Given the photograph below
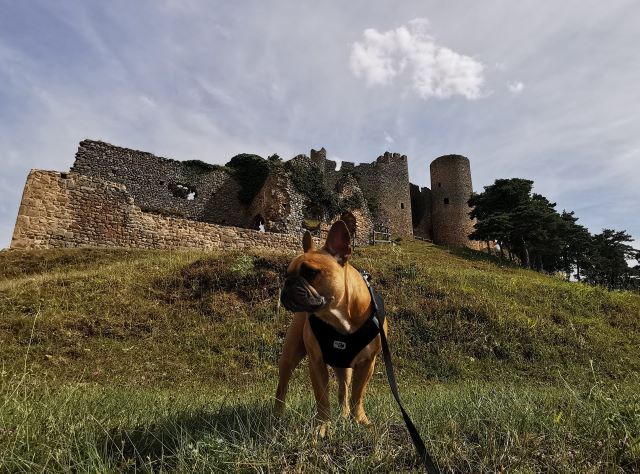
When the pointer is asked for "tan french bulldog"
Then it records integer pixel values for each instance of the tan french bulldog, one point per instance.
(322, 282)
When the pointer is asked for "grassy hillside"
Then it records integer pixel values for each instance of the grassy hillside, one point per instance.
(122, 359)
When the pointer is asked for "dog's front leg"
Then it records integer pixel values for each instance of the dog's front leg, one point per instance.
(320, 382)
(319, 374)
(362, 372)
(344, 384)
(293, 352)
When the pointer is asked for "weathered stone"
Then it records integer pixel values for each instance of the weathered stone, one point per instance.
(120, 197)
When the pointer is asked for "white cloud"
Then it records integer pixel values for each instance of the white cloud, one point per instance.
(515, 87)
(411, 52)
(388, 139)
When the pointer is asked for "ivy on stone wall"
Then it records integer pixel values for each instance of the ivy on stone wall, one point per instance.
(358, 200)
(372, 203)
(250, 171)
(354, 201)
(309, 180)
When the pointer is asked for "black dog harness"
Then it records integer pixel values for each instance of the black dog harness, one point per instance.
(339, 350)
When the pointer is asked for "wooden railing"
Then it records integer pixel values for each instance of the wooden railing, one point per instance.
(381, 237)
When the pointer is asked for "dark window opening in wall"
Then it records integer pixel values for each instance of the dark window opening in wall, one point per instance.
(401, 205)
(161, 183)
(63, 175)
(258, 223)
(446, 200)
(439, 185)
(182, 191)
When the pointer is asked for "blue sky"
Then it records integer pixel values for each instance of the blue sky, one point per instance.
(546, 91)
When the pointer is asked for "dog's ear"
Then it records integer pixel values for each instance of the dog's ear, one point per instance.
(307, 243)
(338, 242)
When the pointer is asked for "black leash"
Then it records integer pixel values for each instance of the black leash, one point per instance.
(378, 306)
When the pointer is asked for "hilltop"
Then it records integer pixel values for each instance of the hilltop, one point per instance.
(117, 359)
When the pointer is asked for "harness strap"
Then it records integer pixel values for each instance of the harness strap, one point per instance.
(388, 365)
(339, 350)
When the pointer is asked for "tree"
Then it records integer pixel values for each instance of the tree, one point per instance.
(609, 256)
(528, 225)
(493, 209)
(534, 235)
(577, 245)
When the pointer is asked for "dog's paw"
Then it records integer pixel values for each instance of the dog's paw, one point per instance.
(278, 408)
(361, 419)
(323, 429)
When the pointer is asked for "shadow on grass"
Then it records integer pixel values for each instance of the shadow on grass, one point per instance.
(165, 444)
(479, 256)
(249, 438)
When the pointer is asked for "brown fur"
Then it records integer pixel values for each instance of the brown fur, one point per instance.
(349, 305)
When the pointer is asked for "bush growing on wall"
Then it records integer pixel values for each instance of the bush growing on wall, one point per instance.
(250, 171)
(309, 181)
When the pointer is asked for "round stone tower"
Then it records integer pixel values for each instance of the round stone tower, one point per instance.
(451, 190)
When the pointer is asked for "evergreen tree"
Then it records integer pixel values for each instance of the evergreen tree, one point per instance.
(609, 256)
(494, 210)
(577, 246)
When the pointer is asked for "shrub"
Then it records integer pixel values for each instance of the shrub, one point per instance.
(250, 171)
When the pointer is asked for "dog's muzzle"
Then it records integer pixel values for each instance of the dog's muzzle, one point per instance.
(298, 295)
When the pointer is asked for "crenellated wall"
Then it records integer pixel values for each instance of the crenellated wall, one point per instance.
(387, 179)
(73, 210)
(385, 186)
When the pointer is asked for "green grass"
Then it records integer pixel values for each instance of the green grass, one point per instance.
(116, 360)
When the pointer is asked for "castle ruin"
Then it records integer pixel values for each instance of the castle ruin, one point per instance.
(114, 196)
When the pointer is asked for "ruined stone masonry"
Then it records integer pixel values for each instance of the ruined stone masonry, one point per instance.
(74, 210)
(119, 197)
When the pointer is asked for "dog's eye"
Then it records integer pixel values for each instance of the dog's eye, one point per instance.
(308, 273)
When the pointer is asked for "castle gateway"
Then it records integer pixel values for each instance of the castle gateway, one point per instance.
(114, 196)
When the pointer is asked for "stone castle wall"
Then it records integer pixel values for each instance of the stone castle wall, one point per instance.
(163, 185)
(450, 192)
(359, 221)
(387, 179)
(169, 201)
(73, 210)
(421, 197)
(278, 205)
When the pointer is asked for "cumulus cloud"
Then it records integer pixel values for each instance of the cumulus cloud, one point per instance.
(409, 52)
(515, 87)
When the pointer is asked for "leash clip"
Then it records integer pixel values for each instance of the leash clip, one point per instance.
(366, 276)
